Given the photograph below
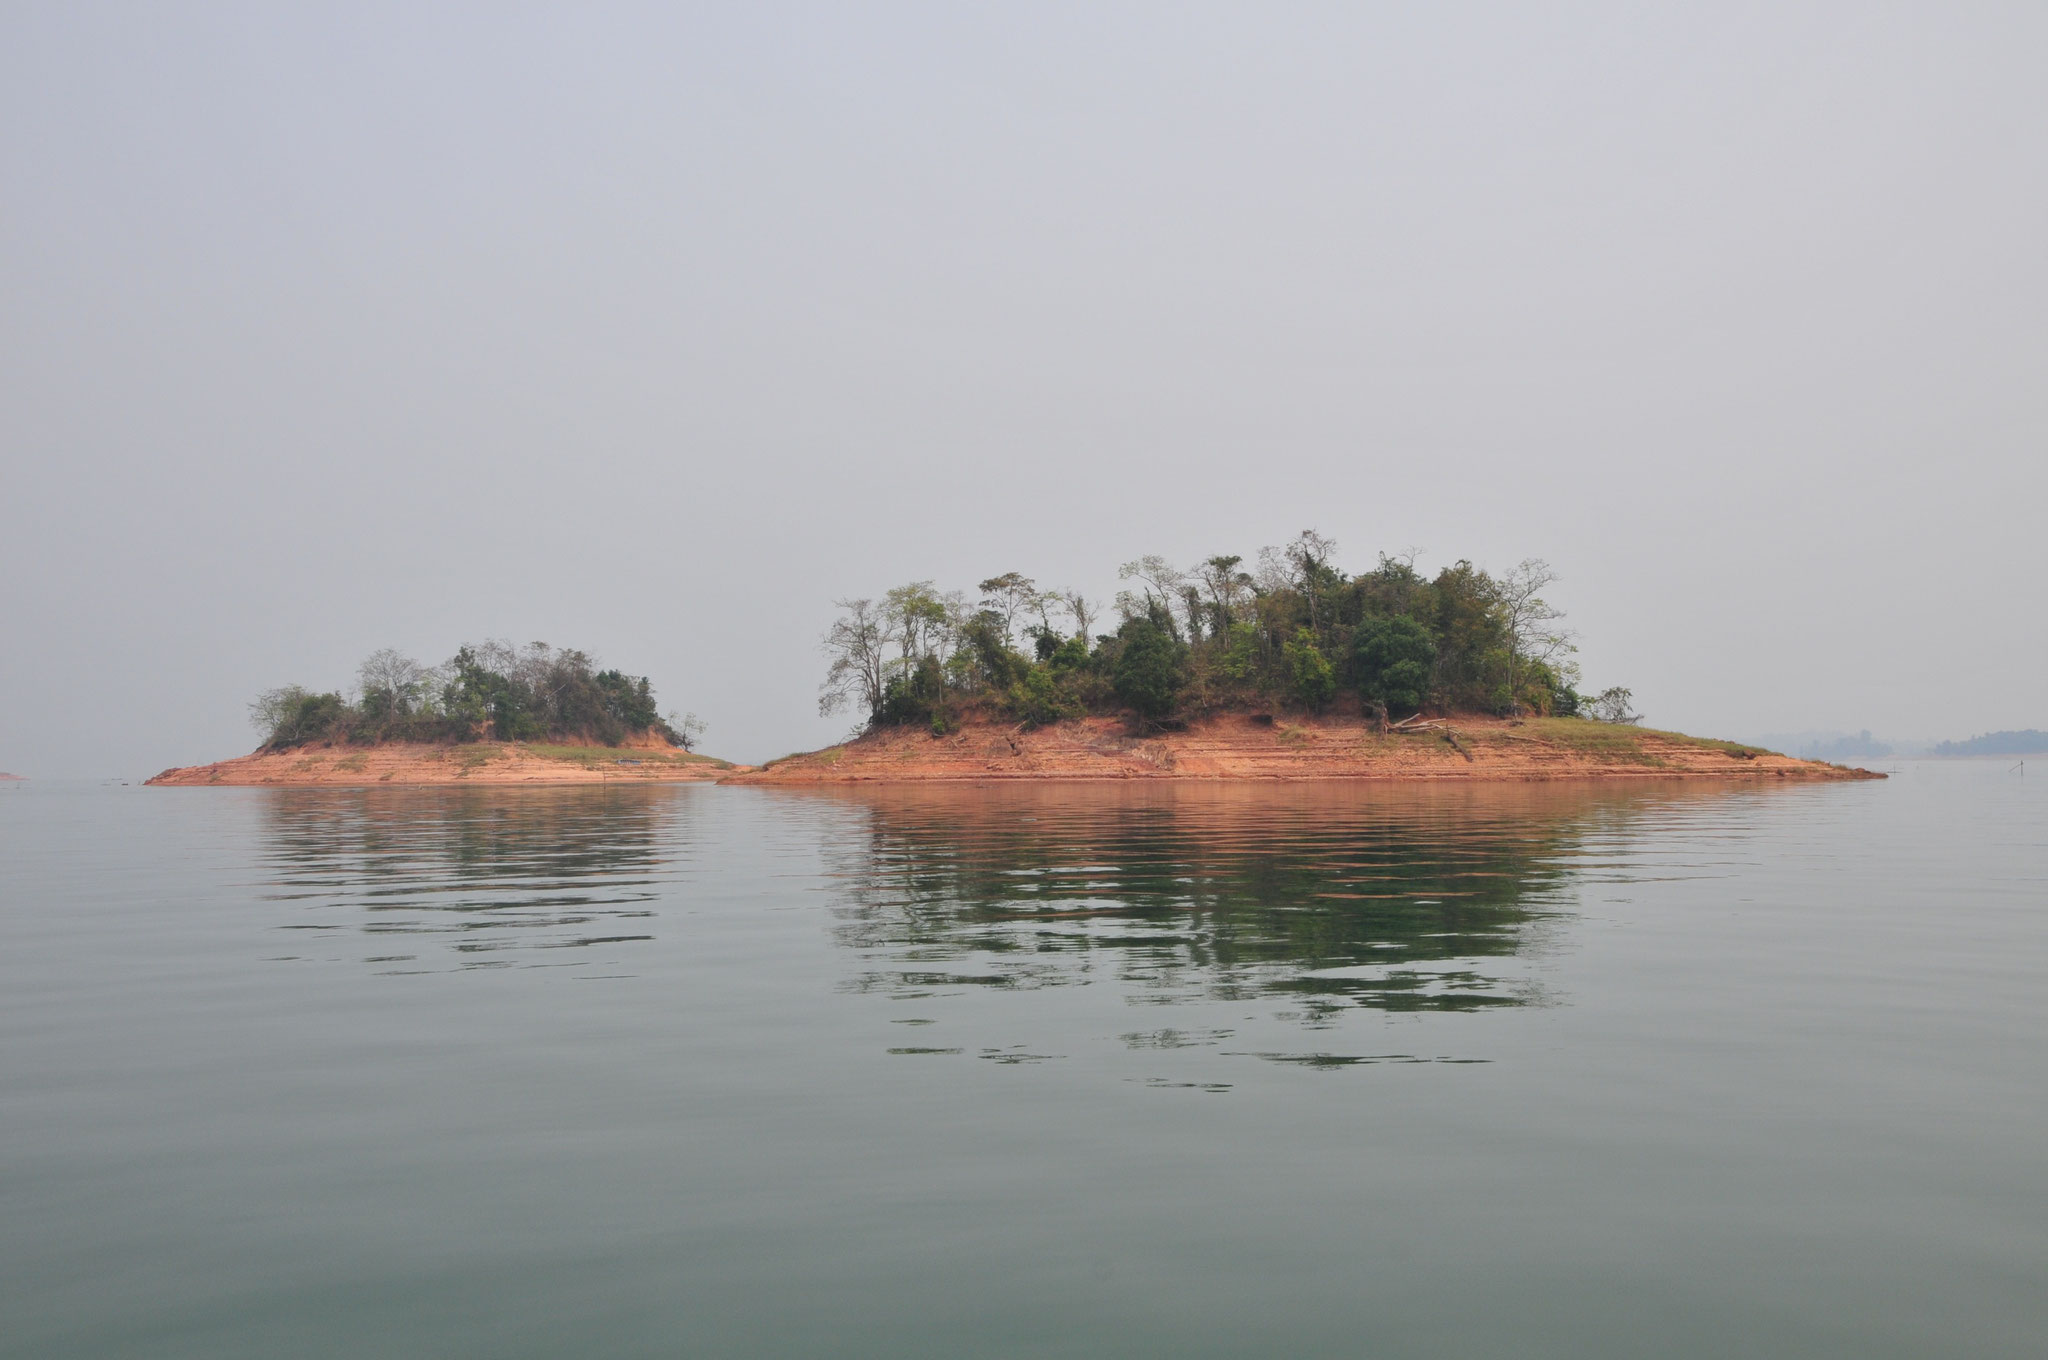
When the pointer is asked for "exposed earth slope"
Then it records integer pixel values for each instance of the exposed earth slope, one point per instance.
(1243, 746)
(483, 762)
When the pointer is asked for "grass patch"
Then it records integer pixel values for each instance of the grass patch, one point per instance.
(1733, 748)
(1621, 741)
(1616, 742)
(354, 764)
(593, 757)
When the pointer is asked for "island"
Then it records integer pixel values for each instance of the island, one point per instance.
(1286, 667)
(492, 714)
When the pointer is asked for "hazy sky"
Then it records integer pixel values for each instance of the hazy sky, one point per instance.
(651, 331)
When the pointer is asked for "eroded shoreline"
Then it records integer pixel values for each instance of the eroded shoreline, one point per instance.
(1250, 747)
(468, 763)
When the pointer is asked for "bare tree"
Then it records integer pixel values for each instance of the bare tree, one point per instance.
(857, 642)
(1308, 562)
(1008, 595)
(1226, 586)
(1084, 613)
(1046, 603)
(394, 679)
(268, 710)
(1614, 705)
(1275, 574)
(688, 729)
(1530, 622)
(1164, 583)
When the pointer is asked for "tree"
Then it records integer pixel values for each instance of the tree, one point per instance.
(1466, 625)
(1308, 560)
(1392, 659)
(917, 617)
(1147, 673)
(686, 729)
(856, 642)
(1226, 586)
(292, 716)
(1310, 676)
(1528, 623)
(1084, 613)
(1611, 706)
(1006, 596)
(1163, 582)
(393, 681)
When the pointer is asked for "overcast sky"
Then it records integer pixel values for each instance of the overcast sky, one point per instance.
(651, 331)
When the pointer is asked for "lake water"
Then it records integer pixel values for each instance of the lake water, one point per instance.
(1062, 1071)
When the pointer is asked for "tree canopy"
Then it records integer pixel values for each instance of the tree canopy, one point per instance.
(1292, 631)
(487, 690)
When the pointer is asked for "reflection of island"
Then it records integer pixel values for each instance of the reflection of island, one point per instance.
(1333, 895)
(490, 872)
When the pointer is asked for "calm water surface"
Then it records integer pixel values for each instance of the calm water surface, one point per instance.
(1065, 1071)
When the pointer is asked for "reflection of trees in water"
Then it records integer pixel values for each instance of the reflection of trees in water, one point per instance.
(1396, 899)
(499, 869)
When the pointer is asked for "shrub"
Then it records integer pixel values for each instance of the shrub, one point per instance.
(1037, 701)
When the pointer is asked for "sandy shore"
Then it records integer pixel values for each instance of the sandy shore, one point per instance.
(472, 763)
(1243, 747)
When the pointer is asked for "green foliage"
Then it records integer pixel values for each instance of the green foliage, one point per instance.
(294, 716)
(1393, 659)
(1237, 658)
(1311, 679)
(990, 661)
(1147, 677)
(1616, 705)
(916, 695)
(490, 691)
(1297, 629)
(1036, 700)
(1069, 656)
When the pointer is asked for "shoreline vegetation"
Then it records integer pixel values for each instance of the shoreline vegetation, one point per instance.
(1288, 632)
(489, 691)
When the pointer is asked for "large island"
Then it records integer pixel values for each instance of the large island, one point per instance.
(1285, 668)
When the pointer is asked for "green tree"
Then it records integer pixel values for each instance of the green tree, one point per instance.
(1392, 659)
(1147, 677)
(1310, 677)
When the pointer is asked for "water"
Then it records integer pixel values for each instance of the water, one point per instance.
(1313, 1070)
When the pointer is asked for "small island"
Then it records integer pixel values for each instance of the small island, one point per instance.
(1283, 668)
(492, 714)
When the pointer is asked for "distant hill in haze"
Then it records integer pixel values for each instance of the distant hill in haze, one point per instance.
(2027, 742)
(1834, 746)
(1848, 747)
(1862, 746)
